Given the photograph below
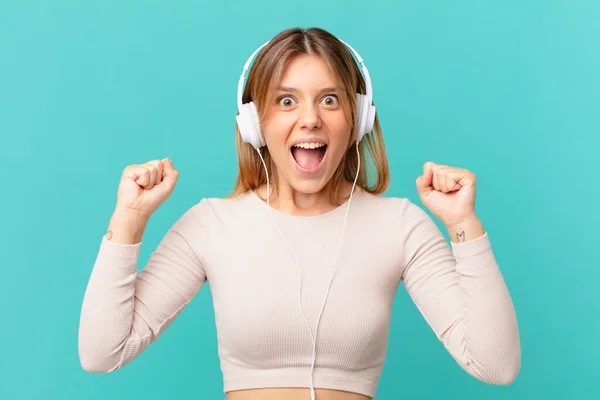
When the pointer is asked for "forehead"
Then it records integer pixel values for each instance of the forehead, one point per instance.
(307, 71)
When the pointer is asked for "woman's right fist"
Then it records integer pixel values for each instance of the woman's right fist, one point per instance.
(144, 187)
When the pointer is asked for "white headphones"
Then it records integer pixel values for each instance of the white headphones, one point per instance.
(247, 118)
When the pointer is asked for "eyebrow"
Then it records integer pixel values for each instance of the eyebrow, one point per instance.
(294, 90)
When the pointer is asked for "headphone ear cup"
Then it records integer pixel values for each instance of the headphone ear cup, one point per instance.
(256, 125)
(360, 102)
(365, 116)
(370, 118)
(249, 125)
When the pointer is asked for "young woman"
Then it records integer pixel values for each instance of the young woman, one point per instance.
(305, 256)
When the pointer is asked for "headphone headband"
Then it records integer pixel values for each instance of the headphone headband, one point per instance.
(367, 77)
(242, 77)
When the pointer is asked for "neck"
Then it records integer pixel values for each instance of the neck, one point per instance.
(290, 201)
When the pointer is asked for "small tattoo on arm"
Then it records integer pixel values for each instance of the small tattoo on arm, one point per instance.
(109, 235)
(460, 235)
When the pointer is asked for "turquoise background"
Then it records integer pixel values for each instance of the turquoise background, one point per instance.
(507, 89)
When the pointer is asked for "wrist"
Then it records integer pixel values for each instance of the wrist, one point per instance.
(465, 230)
(130, 214)
(126, 227)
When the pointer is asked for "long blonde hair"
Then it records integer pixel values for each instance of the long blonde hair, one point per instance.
(263, 79)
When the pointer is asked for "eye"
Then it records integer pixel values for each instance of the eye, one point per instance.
(285, 101)
(331, 100)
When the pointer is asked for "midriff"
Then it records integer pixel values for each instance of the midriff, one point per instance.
(293, 394)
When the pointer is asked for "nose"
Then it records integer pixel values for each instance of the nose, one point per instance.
(309, 118)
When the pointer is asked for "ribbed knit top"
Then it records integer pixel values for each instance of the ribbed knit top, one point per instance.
(263, 341)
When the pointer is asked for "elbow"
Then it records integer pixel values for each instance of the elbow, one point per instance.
(504, 374)
(505, 378)
(510, 367)
(97, 356)
(95, 362)
(96, 365)
(500, 369)
(510, 373)
(92, 368)
(502, 377)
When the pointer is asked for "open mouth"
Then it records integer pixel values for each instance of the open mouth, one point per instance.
(309, 156)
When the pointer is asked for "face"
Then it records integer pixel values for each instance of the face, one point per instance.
(306, 130)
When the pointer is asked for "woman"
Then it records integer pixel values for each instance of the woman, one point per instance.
(304, 258)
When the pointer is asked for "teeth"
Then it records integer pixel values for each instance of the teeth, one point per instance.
(309, 145)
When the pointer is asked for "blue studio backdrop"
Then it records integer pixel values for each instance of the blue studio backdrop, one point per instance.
(507, 89)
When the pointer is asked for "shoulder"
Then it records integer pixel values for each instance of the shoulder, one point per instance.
(206, 213)
(391, 206)
(210, 209)
(398, 215)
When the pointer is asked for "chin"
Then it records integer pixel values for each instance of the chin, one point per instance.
(308, 186)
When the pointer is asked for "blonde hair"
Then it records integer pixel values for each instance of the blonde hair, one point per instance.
(263, 79)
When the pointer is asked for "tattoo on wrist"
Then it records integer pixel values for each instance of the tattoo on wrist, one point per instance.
(109, 235)
(460, 235)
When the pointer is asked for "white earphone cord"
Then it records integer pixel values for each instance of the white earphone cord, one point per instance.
(313, 337)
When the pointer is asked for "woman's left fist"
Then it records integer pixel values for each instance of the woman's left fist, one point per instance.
(448, 192)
